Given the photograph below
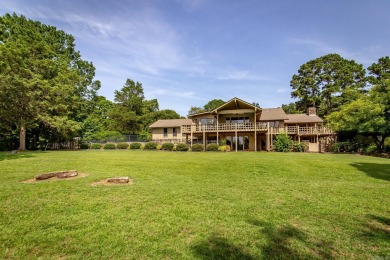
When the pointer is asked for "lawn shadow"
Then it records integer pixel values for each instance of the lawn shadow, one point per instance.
(375, 170)
(9, 156)
(216, 247)
(289, 242)
(281, 242)
(376, 229)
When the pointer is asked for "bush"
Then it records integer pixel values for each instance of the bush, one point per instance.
(96, 146)
(282, 143)
(159, 147)
(135, 146)
(167, 146)
(109, 146)
(222, 148)
(346, 147)
(197, 148)
(212, 147)
(182, 147)
(150, 146)
(298, 147)
(122, 146)
(372, 149)
(84, 146)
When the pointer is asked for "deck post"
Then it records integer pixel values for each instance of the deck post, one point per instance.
(204, 138)
(217, 128)
(235, 126)
(192, 134)
(255, 132)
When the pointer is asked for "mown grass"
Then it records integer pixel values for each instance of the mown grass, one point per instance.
(196, 206)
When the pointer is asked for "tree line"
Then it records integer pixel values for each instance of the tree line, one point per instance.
(354, 102)
(48, 92)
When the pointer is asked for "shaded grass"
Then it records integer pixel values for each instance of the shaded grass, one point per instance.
(196, 205)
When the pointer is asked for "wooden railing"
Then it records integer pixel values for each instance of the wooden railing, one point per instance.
(260, 127)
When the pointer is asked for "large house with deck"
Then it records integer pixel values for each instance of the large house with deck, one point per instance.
(245, 127)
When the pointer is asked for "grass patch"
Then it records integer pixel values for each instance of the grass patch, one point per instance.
(196, 205)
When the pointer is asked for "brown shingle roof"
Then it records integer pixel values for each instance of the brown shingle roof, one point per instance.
(272, 114)
(171, 123)
(302, 118)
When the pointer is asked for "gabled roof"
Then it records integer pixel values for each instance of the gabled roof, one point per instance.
(171, 123)
(272, 114)
(234, 103)
(302, 118)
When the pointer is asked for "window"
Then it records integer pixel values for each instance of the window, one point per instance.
(174, 132)
(165, 132)
(207, 121)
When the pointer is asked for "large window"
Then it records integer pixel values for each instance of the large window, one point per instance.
(165, 132)
(174, 132)
(238, 120)
(207, 121)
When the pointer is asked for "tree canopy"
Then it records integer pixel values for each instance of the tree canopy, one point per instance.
(327, 83)
(370, 114)
(43, 79)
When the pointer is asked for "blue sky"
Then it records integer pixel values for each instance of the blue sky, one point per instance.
(187, 52)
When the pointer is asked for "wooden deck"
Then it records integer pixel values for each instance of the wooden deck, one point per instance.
(258, 127)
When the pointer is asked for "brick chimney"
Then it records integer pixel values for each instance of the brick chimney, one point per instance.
(311, 111)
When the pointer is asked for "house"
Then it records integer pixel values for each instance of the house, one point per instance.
(244, 127)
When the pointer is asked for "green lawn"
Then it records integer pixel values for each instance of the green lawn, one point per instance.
(196, 206)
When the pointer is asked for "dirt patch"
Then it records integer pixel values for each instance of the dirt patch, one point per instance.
(55, 178)
(109, 182)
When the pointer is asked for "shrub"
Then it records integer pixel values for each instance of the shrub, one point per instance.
(298, 147)
(222, 148)
(372, 149)
(84, 146)
(159, 147)
(282, 143)
(122, 146)
(150, 146)
(96, 146)
(345, 147)
(182, 147)
(135, 146)
(109, 146)
(197, 147)
(212, 147)
(167, 146)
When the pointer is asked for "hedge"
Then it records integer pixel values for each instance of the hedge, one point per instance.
(96, 146)
(212, 147)
(122, 146)
(181, 147)
(167, 146)
(135, 146)
(150, 146)
(197, 148)
(109, 146)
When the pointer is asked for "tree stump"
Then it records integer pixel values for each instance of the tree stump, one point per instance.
(118, 180)
(59, 175)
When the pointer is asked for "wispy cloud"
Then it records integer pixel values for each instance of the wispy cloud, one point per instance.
(366, 56)
(237, 74)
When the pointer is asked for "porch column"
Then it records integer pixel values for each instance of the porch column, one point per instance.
(267, 145)
(236, 138)
(255, 132)
(204, 138)
(217, 129)
(192, 134)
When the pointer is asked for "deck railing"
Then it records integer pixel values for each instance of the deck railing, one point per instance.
(259, 126)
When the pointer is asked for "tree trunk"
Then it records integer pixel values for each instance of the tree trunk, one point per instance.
(380, 142)
(22, 138)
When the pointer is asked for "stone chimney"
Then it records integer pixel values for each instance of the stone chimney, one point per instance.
(311, 111)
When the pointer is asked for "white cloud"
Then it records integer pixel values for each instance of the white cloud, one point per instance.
(367, 55)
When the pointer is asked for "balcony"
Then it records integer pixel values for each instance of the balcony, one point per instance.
(260, 127)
